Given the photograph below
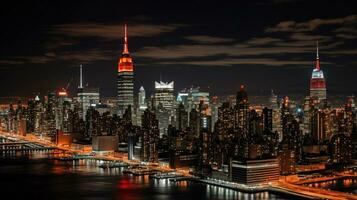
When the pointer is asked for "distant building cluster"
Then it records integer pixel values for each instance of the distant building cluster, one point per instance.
(223, 138)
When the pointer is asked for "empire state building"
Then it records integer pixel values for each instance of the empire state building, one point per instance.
(125, 78)
(317, 81)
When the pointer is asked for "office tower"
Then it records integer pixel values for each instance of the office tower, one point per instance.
(50, 123)
(205, 149)
(242, 111)
(224, 134)
(274, 105)
(267, 119)
(141, 99)
(86, 96)
(150, 137)
(196, 96)
(317, 81)
(317, 126)
(181, 117)
(194, 123)
(205, 137)
(214, 110)
(164, 94)
(92, 123)
(61, 108)
(350, 108)
(30, 119)
(125, 78)
(340, 149)
(38, 116)
(286, 158)
(131, 141)
(164, 104)
(80, 92)
(307, 116)
(142, 105)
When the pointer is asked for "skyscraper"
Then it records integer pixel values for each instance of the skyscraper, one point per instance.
(142, 105)
(87, 96)
(164, 94)
(150, 131)
(274, 105)
(125, 78)
(242, 111)
(164, 104)
(317, 82)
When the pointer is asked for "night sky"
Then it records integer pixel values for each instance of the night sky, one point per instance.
(263, 44)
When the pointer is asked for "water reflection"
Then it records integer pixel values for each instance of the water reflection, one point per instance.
(343, 185)
(214, 192)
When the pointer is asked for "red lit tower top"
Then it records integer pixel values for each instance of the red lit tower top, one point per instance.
(317, 78)
(317, 81)
(125, 63)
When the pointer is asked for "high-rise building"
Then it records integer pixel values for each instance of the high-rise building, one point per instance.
(125, 78)
(150, 137)
(86, 96)
(307, 108)
(141, 99)
(142, 105)
(164, 102)
(164, 94)
(267, 119)
(340, 149)
(242, 111)
(181, 117)
(274, 105)
(317, 82)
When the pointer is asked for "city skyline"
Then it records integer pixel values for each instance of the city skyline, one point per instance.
(221, 48)
(232, 98)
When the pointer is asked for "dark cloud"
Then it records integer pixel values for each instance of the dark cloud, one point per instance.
(243, 61)
(111, 31)
(311, 25)
(206, 39)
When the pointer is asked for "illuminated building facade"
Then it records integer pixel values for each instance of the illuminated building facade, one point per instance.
(340, 149)
(125, 78)
(317, 81)
(142, 105)
(86, 96)
(274, 105)
(164, 102)
(242, 112)
(164, 94)
(254, 172)
(150, 137)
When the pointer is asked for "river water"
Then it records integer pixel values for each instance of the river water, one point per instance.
(36, 176)
(343, 185)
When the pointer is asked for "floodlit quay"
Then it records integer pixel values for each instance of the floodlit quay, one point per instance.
(285, 185)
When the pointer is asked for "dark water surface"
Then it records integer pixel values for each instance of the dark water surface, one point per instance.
(39, 177)
(343, 185)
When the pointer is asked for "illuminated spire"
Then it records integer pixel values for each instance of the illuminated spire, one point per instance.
(80, 77)
(317, 50)
(125, 51)
(317, 64)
